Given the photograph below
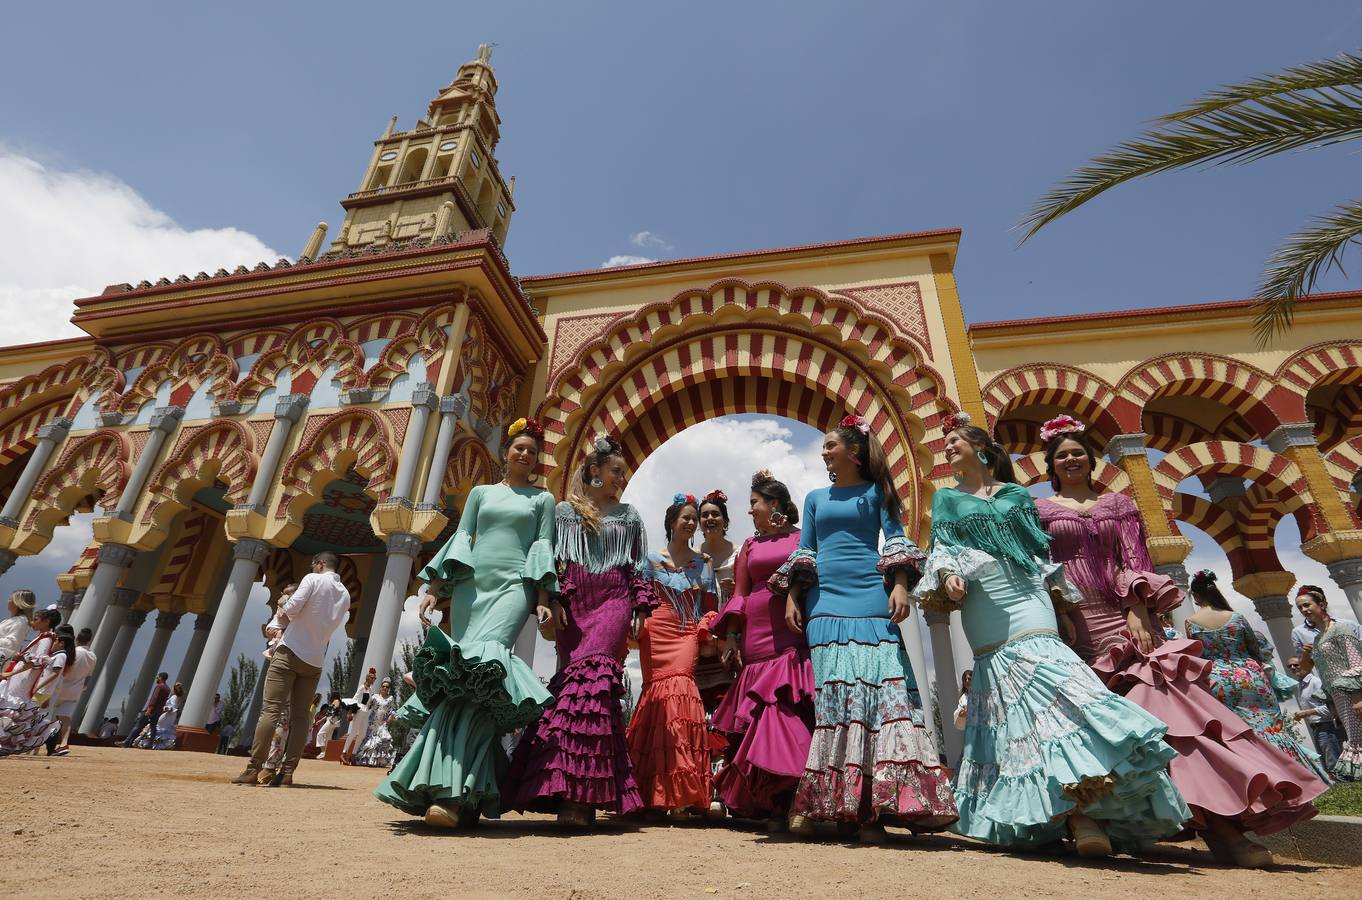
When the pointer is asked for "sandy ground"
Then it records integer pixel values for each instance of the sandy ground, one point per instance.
(112, 822)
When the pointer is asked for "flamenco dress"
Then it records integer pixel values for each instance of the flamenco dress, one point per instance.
(25, 725)
(668, 742)
(1338, 657)
(576, 750)
(767, 714)
(1043, 736)
(470, 688)
(871, 758)
(1243, 678)
(1222, 767)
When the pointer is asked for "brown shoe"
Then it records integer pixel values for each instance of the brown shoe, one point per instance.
(281, 779)
(439, 816)
(250, 776)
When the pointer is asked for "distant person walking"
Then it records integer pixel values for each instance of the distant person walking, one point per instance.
(310, 616)
(14, 630)
(74, 676)
(156, 704)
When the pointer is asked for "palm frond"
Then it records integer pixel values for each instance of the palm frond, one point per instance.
(1343, 71)
(1306, 256)
(1233, 135)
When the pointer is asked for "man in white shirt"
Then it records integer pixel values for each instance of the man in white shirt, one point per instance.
(214, 715)
(74, 675)
(313, 613)
(1315, 713)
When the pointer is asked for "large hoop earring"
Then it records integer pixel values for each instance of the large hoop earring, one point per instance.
(778, 519)
(597, 483)
(981, 456)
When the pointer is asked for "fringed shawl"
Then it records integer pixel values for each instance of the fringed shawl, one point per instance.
(621, 540)
(1005, 526)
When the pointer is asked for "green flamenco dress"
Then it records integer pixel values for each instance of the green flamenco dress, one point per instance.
(470, 688)
(1043, 735)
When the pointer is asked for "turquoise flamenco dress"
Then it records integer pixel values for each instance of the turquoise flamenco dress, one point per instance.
(470, 688)
(1043, 735)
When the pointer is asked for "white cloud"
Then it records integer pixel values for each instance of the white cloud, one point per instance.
(649, 239)
(626, 259)
(68, 234)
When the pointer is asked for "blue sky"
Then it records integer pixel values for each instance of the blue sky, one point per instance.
(145, 139)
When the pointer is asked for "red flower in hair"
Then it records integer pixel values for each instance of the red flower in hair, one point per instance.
(857, 422)
(716, 495)
(952, 421)
(1060, 425)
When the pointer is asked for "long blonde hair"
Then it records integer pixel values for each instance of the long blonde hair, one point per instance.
(602, 449)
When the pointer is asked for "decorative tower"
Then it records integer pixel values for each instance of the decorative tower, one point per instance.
(438, 178)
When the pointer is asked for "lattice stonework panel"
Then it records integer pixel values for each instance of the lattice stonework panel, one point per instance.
(571, 334)
(398, 419)
(899, 302)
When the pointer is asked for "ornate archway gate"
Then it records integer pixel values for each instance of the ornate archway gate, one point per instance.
(875, 328)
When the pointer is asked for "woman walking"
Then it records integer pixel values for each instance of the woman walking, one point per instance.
(1337, 654)
(376, 749)
(470, 688)
(1231, 779)
(1049, 751)
(24, 723)
(574, 759)
(871, 762)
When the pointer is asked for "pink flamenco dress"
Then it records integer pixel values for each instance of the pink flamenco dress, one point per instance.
(668, 742)
(768, 712)
(1222, 766)
(576, 750)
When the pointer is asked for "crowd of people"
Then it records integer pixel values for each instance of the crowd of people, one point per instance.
(1086, 716)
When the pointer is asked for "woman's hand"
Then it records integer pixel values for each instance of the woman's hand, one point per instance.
(1067, 633)
(427, 607)
(1141, 629)
(636, 626)
(794, 619)
(899, 607)
(731, 655)
(727, 585)
(955, 587)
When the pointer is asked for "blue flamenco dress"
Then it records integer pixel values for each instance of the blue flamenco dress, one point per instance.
(871, 758)
(1043, 736)
(470, 688)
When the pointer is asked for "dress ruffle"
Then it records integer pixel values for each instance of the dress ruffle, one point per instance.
(800, 569)
(451, 564)
(943, 562)
(1063, 594)
(484, 673)
(1222, 768)
(1041, 729)
(24, 726)
(900, 555)
(670, 746)
(769, 710)
(1164, 594)
(540, 569)
(576, 750)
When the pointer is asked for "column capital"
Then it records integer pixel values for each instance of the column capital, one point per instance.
(454, 405)
(1225, 488)
(224, 408)
(252, 549)
(56, 430)
(120, 555)
(168, 620)
(404, 544)
(936, 617)
(357, 396)
(135, 618)
(111, 418)
(125, 597)
(1123, 445)
(1346, 572)
(1177, 572)
(66, 603)
(1294, 434)
(291, 407)
(203, 622)
(166, 418)
(424, 395)
(1274, 607)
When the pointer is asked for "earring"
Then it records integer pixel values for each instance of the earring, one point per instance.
(981, 456)
(778, 520)
(596, 482)
(533, 477)
(832, 476)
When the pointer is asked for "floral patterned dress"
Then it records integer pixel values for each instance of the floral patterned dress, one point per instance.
(1241, 678)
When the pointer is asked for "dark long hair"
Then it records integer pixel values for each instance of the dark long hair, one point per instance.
(674, 512)
(996, 460)
(51, 616)
(1206, 593)
(872, 465)
(65, 637)
(1052, 447)
(773, 491)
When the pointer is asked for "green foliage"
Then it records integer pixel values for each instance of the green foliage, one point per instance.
(627, 702)
(407, 652)
(1341, 800)
(240, 691)
(342, 669)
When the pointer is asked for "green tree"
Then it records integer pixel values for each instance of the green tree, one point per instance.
(342, 668)
(627, 700)
(240, 691)
(1302, 108)
(407, 652)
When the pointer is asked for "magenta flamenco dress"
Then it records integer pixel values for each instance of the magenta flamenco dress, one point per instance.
(768, 712)
(1223, 767)
(576, 750)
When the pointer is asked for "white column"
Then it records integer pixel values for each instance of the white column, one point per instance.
(288, 409)
(246, 736)
(452, 408)
(1347, 574)
(49, 436)
(392, 595)
(166, 623)
(194, 652)
(1276, 613)
(110, 564)
(917, 657)
(947, 693)
(247, 556)
(423, 400)
(110, 669)
(164, 420)
(1178, 572)
(364, 620)
(962, 651)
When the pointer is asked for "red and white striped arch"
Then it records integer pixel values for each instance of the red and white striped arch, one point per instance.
(204, 455)
(1237, 386)
(96, 464)
(1053, 388)
(330, 446)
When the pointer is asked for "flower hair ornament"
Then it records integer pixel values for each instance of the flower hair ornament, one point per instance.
(688, 499)
(1060, 425)
(1204, 575)
(762, 477)
(529, 426)
(857, 422)
(604, 443)
(716, 495)
(954, 421)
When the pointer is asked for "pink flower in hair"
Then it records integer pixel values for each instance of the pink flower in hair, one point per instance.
(857, 422)
(1060, 425)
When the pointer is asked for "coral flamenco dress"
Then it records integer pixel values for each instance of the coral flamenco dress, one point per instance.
(471, 689)
(1043, 736)
(1223, 767)
(576, 750)
(768, 712)
(668, 742)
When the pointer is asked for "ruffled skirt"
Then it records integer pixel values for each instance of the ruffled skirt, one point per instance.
(1043, 735)
(670, 746)
(467, 696)
(769, 711)
(1222, 766)
(871, 757)
(24, 726)
(576, 750)
(1349, 764)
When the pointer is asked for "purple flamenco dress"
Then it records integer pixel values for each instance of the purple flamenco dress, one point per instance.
(768, 712)
(1222, 768)
(575, 751)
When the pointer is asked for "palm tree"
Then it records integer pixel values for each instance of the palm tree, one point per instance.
(1302, 108)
